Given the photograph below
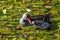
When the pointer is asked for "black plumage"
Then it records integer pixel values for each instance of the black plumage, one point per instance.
(45, 18)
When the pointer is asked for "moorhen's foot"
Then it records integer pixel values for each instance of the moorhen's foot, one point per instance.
(18, 28)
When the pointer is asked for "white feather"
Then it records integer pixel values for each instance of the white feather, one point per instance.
(4, 11)
(28, 10)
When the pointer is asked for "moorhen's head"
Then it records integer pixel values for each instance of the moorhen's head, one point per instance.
(25, 16)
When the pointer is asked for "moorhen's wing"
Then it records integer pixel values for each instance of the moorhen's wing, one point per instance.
(37, 17)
